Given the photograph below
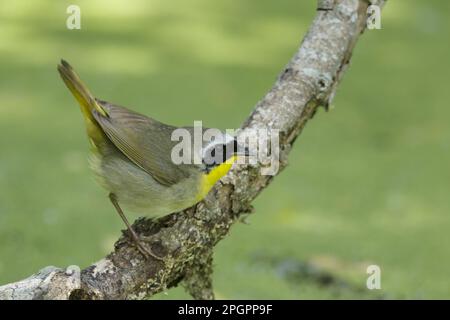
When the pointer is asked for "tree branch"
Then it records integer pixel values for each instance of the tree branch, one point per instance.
(186, 239)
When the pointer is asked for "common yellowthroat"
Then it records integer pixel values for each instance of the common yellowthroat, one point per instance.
(131, 156)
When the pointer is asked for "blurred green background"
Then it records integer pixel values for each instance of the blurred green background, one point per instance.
(368, 182)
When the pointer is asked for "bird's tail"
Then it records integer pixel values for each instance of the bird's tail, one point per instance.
(86, 100)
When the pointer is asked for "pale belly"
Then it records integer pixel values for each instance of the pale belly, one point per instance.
(139, 193)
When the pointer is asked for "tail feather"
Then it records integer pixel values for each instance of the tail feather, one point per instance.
(79, 90)
(86, 100)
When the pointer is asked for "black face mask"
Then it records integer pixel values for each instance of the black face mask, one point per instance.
(219, 154)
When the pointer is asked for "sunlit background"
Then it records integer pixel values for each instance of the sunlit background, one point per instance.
(368, 182)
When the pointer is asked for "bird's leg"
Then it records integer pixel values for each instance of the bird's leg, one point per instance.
(145, 251)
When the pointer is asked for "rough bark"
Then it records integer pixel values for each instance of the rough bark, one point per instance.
(186, 239)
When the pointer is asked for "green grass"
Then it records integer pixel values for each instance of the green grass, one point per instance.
(368, 182)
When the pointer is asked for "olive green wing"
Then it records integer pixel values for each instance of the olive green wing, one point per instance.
(145, 141)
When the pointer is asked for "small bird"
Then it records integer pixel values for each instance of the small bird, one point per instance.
(130, 155)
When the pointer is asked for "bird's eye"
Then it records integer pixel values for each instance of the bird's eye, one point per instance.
(235, 146)
(224, 153)
(217, 155)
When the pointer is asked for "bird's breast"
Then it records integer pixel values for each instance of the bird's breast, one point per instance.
(209, 179)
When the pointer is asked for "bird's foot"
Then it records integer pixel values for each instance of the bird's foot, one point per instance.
(144, 249)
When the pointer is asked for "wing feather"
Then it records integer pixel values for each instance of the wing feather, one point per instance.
(145, 141)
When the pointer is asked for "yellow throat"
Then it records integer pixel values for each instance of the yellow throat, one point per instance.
(209, 180)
